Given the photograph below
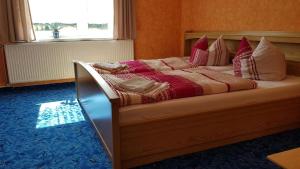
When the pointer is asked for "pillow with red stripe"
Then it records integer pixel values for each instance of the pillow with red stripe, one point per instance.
(244, 52)
(266, 63)
(199, 52)
(218, 53)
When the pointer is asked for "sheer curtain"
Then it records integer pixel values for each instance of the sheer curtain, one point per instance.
(124, 19)
(15, 21)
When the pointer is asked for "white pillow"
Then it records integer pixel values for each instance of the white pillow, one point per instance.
(218, 53)
(266, 63)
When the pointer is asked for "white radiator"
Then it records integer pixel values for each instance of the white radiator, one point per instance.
(32, 62)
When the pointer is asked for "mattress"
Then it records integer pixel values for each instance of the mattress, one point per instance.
(267, 91)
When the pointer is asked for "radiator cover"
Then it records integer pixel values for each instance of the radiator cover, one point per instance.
(43, 61)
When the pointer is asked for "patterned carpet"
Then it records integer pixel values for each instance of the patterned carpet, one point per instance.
(43, 127)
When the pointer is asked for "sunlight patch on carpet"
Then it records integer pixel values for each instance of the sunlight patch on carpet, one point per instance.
(59, 113)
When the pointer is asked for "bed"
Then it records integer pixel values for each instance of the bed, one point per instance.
(140, 134)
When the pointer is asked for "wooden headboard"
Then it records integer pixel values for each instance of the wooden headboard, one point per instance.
(288, 42)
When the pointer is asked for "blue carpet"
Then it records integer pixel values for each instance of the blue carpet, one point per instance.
(43, 127)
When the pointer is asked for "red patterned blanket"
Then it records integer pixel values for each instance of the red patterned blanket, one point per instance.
(138, 66)
(181, 84)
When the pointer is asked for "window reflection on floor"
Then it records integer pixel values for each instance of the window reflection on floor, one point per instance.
(59, 113)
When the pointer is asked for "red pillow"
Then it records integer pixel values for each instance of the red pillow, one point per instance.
(199, 50)
(202, 43)
(244, 52)
(200, 57)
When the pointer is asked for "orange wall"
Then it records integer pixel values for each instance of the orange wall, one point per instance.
(161, 23)
(240, 15)
(235, 15)
(158, 28)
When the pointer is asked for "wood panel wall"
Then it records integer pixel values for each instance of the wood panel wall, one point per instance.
(3, 71)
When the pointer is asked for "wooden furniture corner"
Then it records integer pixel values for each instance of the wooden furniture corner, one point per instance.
(3, 69)
(288, 159)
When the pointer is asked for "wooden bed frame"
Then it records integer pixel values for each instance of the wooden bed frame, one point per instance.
(138, 144)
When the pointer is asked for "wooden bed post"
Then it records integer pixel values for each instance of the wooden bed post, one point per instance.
(187, 47)
(101, 106)
(116, 159)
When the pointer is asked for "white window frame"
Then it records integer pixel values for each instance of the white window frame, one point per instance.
(83, 25)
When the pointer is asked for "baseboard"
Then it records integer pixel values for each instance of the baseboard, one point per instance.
(3, 86)
(41, 83)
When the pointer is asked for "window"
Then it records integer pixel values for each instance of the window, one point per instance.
(72, 19)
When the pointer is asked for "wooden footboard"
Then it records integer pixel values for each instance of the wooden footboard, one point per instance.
(101, 106)
(165, 138)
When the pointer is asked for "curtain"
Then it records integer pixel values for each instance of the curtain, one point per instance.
(124, 19)
(15, 21)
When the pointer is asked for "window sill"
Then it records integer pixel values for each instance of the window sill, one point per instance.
(65, 41)
(71, 40)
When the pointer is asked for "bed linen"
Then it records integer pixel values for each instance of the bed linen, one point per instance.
(138, 66)
(182, 83)
(266, 91)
